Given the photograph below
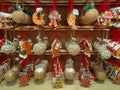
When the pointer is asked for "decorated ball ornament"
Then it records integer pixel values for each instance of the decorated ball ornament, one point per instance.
(69, 73)
(10, 76)
(105, 54)
(39, 73)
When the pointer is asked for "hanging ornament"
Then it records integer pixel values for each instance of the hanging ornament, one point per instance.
(86, 47)
(39, 47)
(25, 49)
(28, 67)
(57, 76)
(38, 17)
(21, 15)
(71, 20)
(72, 47)
(106, 18)
(8, 47)
(69, 70)
(55, 48)
(85, 75)
(5, 18)
(91, 14)
(40, 70)
(54, 17)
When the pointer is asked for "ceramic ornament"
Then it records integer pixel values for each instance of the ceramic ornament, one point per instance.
(105, 19)
(55, 18)
(25, 49)
(69, 69)
(86, 47)
(39, 47)
(38, 17)
(55, 48)
(72, 47)
(39, 73)
(71, 20)
(6, 20)
(8, 47)
(90, 14)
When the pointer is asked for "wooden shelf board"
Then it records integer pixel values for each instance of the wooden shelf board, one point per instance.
(62, 28)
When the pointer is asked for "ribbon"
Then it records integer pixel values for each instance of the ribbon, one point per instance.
(85, 62)
(86, 34)
(103, 6)
(37, 4)
(54, 4)
(3, 7)
(71, 5)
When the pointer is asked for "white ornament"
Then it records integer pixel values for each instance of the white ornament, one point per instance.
(105, 54)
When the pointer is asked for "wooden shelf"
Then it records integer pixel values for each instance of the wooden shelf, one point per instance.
(62, 28)
(48, 52)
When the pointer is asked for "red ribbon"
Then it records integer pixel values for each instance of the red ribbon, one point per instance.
(37, 4)
(85, 62)
(54, 4)
(86, 34)
(71, 5)
(103, 6)
(3, 7)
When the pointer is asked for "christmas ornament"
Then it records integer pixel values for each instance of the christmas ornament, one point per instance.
(72, 18)
(40, 69)
(100, 73)
(57, 76)
(72, 47)
(4, 67)
(39, 47)
(69, 71)
(24, 80)
(21, 15)
(38, 17)
(10, 76)
(85, 75)
(25, 49)
(55, 18)
(28, 67)
(91, 14)
(6, 20)
(55, 48)
(86, 47)
(8, 47)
